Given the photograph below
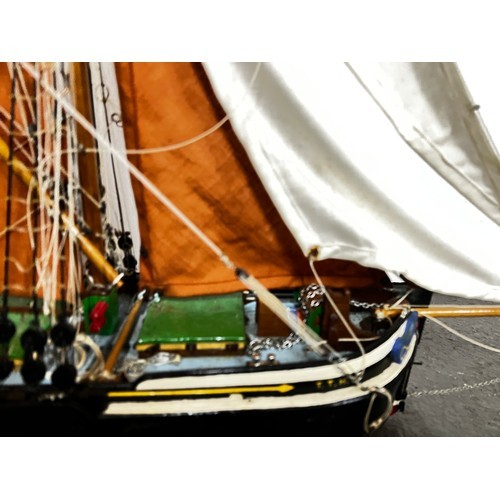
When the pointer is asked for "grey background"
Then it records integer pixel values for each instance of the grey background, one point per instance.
(444, 361)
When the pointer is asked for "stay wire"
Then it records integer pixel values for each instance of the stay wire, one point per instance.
(60, 117)
(8, 211)
(35, 202)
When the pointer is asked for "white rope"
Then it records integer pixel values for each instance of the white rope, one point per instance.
(73, 268)
(29, 225)
(22, 96)
(13, 226)
(25, 94)
(72, 288)
(46, 161)
(377, 423)
(401, 299)
(19, 266)
(458, 334)
(18, 146)
(199, 137)
(50, 156)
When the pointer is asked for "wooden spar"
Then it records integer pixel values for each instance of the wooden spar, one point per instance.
(123, 336)
(88, 248)
(444, 311)
(87, 163)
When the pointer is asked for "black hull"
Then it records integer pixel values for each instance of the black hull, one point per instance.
(81, 416)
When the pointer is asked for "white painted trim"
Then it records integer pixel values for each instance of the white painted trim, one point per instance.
(236, 402)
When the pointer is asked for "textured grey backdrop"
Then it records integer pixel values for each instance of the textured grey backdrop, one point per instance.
(445, 361)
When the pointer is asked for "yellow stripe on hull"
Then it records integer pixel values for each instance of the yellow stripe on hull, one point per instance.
(201, 392)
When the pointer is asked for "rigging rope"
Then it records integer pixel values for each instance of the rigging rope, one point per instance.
(22, 95)
(19, 147)
(458, 334)
(206, 133)
(357, 379)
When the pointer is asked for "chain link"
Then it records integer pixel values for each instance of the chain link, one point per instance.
(278, 343)
(366, 305)
(310, 297)
(451, 390)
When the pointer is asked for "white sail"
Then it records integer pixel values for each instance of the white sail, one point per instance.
(432, 109)
(347, 184)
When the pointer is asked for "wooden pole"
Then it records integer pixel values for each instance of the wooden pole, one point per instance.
(444, 311)
(123, 336)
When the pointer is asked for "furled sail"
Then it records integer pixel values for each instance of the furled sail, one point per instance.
(346, 183)
(120, 213)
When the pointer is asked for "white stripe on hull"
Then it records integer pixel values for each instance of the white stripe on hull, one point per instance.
(236, 402)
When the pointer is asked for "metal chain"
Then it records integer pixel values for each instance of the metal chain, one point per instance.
(310, 297)
(451, 390)
(280, 344)
(366, 305)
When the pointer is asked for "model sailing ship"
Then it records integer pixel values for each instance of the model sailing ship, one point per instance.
(160, 260)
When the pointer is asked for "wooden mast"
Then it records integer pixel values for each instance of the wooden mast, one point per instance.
(87, 162)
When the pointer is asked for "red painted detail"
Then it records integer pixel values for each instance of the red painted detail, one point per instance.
(98, 316)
